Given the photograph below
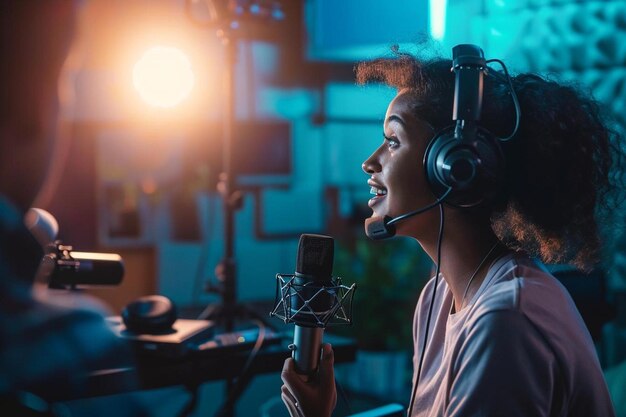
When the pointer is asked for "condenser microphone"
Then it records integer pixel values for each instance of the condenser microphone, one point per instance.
(312, 299)
(383, 227)
(314, 265)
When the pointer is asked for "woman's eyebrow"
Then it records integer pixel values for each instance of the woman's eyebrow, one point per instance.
(394, 118)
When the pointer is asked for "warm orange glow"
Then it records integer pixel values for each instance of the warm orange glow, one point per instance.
(163, 76)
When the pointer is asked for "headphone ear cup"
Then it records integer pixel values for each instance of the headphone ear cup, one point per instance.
(473, 170)
(440, 140)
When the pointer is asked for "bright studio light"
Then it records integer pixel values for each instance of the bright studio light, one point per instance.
(163, 76)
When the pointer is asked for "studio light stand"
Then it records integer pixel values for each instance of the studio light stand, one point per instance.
(224, 313)
(229, 19)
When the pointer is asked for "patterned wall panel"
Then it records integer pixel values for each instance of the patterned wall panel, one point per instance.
(579, 41)
(607, 85)
(575, 36)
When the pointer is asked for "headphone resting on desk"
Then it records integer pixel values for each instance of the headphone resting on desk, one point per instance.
(150, 314)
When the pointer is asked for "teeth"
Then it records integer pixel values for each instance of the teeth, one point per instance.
(378, 191)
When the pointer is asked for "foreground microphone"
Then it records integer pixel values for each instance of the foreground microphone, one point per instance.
(312, 299)
(314, 265)
(61, 266)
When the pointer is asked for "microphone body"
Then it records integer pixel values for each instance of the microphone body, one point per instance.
(86, 268)
(307, 343)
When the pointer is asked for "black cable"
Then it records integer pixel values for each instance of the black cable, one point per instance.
(192, 403)
(344, 397)
(205, 253)
(238, 386)
(430, 311)
(518, 110)
(26, 403)
(257, 345)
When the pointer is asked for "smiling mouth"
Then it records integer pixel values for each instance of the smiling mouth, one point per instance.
(379, 194)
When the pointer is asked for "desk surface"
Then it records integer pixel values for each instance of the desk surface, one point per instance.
(199, 367)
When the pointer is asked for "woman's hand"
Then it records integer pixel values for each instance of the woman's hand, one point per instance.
(314, 398)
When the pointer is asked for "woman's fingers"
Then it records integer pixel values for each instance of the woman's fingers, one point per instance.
(291, 378)
(291, 407)
(327, 372)
(285, 391)
(314, 396)
(290, 402)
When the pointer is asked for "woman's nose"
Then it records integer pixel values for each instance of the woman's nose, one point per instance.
(371, 164)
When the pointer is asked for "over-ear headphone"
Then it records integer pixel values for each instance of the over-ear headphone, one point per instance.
(150, 314)
(464, 162)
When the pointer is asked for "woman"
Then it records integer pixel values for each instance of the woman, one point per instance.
(503, 337)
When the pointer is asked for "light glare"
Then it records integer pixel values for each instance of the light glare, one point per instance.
(438, 18)
(163, 76)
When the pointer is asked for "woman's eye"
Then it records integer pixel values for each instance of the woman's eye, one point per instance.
(392, 142)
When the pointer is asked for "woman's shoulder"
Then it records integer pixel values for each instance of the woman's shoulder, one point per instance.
(524, 287)
(519, 283)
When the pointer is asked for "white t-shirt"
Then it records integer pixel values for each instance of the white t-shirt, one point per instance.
(518, 348)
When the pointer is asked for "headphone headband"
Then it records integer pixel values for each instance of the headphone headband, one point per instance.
(465, 160)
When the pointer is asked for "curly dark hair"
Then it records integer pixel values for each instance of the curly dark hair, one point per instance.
(558, 165)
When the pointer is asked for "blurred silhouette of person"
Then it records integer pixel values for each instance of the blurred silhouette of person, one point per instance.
(47, 344)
